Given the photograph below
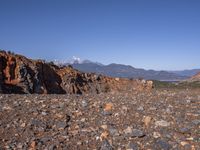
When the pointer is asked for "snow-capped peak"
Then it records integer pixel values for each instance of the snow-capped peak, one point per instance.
(75, 60)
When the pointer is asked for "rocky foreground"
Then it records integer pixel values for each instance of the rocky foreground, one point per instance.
(150, 120)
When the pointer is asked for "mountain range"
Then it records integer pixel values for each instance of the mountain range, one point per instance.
(127, 71)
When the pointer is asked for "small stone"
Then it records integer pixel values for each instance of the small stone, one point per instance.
(84, 103)
(186, 146)
(97, 138)
(45, 139)
(147, 120)
(190, 139)
(33, 145)
(58, 115)
(83, 120)
(188, 101)
(162, 123)
(132, 146)
(113, 131)
(61, 105)
(108, 107)
(124, 108)
(106, 145)
(183, 143)
(106, 113)
(61, 125)
(6, 107)
(128, 130)
(23, 125)
(19, 146)
(44, 113)
(104, 135)
(162, 145)
(184, 130)
(105, 127)
(156, 135)
(137, 133)
(52, 147)
(196, 122)
(140, 108)
(79, 143)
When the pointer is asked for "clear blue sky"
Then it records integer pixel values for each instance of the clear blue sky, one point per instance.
(151, 34)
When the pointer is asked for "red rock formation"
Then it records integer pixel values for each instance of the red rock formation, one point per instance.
(21, 75)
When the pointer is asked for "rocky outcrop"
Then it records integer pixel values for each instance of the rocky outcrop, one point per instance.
(19, 74)
(195, 77)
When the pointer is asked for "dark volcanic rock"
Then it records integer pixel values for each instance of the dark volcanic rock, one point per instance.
(76, 121)
(106, 145)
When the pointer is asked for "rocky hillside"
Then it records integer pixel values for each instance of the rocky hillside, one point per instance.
(195, 77)
(19, 74)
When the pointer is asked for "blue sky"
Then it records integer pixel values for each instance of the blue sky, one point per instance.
(150, 34)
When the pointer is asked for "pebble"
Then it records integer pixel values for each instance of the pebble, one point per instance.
(106, 145)
(137, 133)
(61, 125)
(156, 135)
(184, 130)
(132, 146)
(162, 145)
(162, 123)
(140, 108)
(84, 103)
(147, 120)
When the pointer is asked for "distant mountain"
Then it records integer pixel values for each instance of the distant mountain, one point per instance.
(126, 71)
(188, 73)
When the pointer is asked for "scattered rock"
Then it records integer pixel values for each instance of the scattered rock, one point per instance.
(132, 146)
(84, 103)
(104, 135)
(140, 108)
(61, 125)
(162, 145)
(147, 120)
(106, 145)
(162, 123)
(137, 133)
(108, 107)
(156, 135)
(69, 125)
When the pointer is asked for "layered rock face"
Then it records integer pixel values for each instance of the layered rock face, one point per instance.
(19, 74)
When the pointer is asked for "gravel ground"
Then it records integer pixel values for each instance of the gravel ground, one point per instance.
(155, 120)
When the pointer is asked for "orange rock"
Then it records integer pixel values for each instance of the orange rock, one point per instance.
(104, 135)
(33, 145)
(108, 107)
(147, 121)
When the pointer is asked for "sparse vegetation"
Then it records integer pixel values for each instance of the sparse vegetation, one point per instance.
(179, 85)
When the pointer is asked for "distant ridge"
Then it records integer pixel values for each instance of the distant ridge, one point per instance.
(126, 71)
(188, 73)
